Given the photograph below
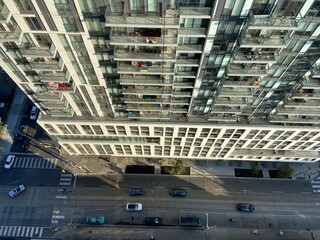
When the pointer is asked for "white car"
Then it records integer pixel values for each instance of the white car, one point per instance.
(14, 192)
(9, 161)
(2, 105)
(34, 113)
(134, 207)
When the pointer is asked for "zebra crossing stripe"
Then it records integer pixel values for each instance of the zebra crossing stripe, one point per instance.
(19, 231)
(29, 162)
(9, 230)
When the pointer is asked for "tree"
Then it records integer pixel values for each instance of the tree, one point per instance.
(255, 170)
(178, 168)
(285, 171)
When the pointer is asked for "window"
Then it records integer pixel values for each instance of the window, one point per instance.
(24, 6)
(63, 129)
(87, 129)
(73, 129)
(33, 23)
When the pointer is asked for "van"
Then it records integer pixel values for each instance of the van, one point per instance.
(34, 113)
(189, 222)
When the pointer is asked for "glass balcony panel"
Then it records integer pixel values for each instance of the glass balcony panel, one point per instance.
(192, 32)
(250, 41)
(149, 115)
(146, 70)
(43, 51)
(186, 74)
(241, 57)
(48, 96)
(187, 62)
(143, 41)
(141, 56)
(147, 90)
(54, 77)
(195, 12)
(189, 48)
(268, 22)
(142, 21)
(11, 36)
(60, 87)
(47, 65)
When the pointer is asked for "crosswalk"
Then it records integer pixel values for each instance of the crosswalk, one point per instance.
(20, 231)
(65, 180)
(315, 184)
(36, 162)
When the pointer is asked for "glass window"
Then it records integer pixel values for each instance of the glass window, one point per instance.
(87, 129)
(88, 6)
(33, 23)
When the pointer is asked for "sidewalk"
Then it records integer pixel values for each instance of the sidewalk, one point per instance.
(11, 124)
(220, 168)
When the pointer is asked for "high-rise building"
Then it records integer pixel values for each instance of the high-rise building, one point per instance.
(196, 79)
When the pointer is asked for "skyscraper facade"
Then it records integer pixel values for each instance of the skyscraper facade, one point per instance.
(195, 79)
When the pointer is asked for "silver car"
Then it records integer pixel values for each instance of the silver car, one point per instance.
(134, 207)
(14, 192)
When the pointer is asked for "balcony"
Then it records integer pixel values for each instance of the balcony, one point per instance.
(183, 84)
(11, 36)
(222, 117)
(144, 91)
(199, 12)
(242, 57)
(142, 80)
(192, 32)
(39, 52)
(297, 111)
(47, 96)
(187, 62)
(315, 72)
(146, 70)
(295, 119)
(254, 70)
(225, 92)
(143, 21)
(147, 107)
(143, 41)
(42, 64)
(54, 104)
(162, 115)
(187, 93)
(227, 110)
(189, 48)
(60, 87)
(121, 55)
(268, 22)
(61, 112)
(240, 103)
(250, 41)
(301, 103)
(244, 83)
(181, 74)
(147, 99)
(5, 14)
(61, 77)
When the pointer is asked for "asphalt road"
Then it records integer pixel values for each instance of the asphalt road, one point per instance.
(280, 205)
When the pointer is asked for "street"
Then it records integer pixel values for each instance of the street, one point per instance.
(288, 206)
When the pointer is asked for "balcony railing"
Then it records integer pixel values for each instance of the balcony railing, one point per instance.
(151, 115)
(143, 21)
(257, 58)
(146, 70)
(143, 41)
(187, 62)
(272, 42)
(247, 72)
(146, 91)
(195, 12)
(60, 87)
(192, 32)
(141, 56)
(44, 65)
(11, 36)
(189, 48)
(44, 52)
(47, 96)
(54, 77)
(268, 22)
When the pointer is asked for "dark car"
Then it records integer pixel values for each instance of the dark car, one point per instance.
(26, 145)
(26, 112)
(154, 221)
(178, 193)
(136, 192)
(245, 207)
(20, 132)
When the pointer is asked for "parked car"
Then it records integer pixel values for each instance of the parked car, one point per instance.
(34, 113)
(14, 192)
(2, 105)
(178, 193)
(21, 130)
(26, 145)
(189, 222)
(26, 112)
(245, 207)
(95, 220)
(134, 207)
(154, 221)
(9, 161)
(136, 192)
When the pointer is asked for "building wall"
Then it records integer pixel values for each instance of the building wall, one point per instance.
(180, 79)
